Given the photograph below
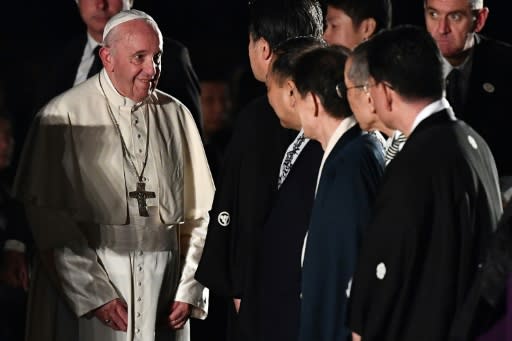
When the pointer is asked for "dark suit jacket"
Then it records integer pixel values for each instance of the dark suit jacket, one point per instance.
(346, 192)
(283, 237)
(488, 99)
(178, 77)
(423, 249)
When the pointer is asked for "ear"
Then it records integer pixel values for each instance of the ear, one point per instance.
(265, 50)
(367, 28)
(290, 88)
(106, 58)
(480, 19)
(370, 102)
(389, 96)
(317, 105)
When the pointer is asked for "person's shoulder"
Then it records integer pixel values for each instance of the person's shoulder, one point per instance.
(492, 54)
(485, 42)
(173, 44)
(69, 100)
(257, 113)
(168, 101)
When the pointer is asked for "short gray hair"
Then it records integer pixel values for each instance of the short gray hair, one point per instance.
(359, 71)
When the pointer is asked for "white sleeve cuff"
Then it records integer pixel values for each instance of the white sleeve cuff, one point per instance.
(14, 245)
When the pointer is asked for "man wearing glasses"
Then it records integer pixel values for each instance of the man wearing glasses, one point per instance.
(437, 206)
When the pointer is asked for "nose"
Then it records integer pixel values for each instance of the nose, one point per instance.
(327, 34)
(150, 67)
(444, 26)
(101, 3)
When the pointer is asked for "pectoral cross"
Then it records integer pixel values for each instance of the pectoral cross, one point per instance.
(141, 195)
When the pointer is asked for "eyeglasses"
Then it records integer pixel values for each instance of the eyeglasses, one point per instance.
(341, 90)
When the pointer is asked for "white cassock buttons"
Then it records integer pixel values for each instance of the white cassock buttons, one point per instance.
(472, 142)
(224, 219)
(488, 87)
(381, 271)
(349, 286)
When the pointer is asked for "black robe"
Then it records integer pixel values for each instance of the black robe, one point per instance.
(437, 207)
(243, 198)
(283, 237)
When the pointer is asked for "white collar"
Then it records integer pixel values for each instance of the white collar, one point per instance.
(343, 127)
(431, 109)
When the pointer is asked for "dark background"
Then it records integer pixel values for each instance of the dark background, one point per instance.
(214, 31)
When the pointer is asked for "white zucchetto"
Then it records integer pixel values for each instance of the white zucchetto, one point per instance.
(123, 17)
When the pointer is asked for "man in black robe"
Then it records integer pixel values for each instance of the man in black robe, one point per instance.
(437, 207)
(248, 185)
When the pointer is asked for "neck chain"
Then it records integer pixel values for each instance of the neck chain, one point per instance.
(126, 152)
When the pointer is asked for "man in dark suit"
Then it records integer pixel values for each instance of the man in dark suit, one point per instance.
(479, 87)
(437, 206)
(231, 258)
(350, 173)
(78, 60)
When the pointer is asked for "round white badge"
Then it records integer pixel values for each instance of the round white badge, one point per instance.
(488, 87)
(381, 271)
(224, 219)
(472, 142)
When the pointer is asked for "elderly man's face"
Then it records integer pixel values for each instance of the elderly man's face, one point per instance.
(96, 13)
(452, 24)
(133, 62)
(359, 100)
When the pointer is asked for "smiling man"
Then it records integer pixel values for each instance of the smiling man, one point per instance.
(477, 72)
(110, 178)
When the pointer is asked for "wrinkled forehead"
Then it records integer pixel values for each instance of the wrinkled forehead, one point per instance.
(127, 4)
(473, 4)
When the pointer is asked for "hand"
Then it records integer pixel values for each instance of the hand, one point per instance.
(114, 314)
(236, 302)
(180, 312)
(356, 337)
(15, 269)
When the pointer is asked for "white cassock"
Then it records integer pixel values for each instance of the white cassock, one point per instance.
(76, 184)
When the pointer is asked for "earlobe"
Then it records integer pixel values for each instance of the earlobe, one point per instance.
(316, 104)
(480, 19)
(266, 51)
(369, 98)
(368, 27)
(388, 92)
(106, 58)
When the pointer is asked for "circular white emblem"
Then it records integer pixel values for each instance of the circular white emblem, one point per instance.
(489, 87)
(224, 219)
(472, 142)
(381, 271)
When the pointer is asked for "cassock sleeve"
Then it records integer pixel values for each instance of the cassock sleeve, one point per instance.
(199, 191)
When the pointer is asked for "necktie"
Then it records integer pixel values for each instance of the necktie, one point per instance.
(394, 147)
(453, 90)
(96, 64)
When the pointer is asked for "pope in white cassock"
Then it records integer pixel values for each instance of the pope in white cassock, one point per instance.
(117, 190)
